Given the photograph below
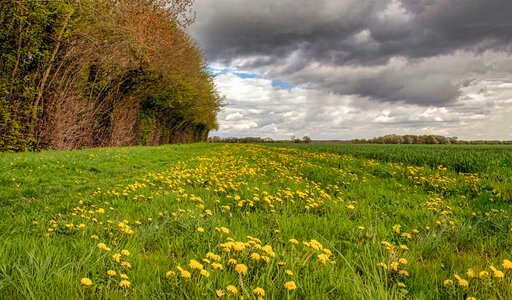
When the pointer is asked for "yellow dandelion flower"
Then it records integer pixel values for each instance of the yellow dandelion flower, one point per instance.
(200, 229)
(224, 230)
(241, 269)
(213, 256)
(281, 263)
(499, 274)
(117, 257)
(394, 266)
(290, 285)
(94, 237)
(123, 276)
(404, 247)
(323, 258)
(232, 289)
(293, 241)
(259, 292)
(403, 273)
(232, 261)
(507, 264)
(125, 252)
(85, 281)
(447, 282)
(461, 281)
(169, 274)
(111, 273)
(219, 293)
(401, 285)
(126, 264)
(397, 228)
(124, 283)
(470, 298)
(104, 247)
(289, 272)
(185, 274)
(470, 273)
(217, 266)
(205, 273)
(195, 265)
(483, 274)
(403, 261)
(255, 256)
(350, 206)
(381, 264)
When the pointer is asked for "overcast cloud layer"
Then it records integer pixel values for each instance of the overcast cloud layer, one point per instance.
(360, 68)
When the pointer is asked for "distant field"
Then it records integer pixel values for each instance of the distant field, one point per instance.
(292, 221)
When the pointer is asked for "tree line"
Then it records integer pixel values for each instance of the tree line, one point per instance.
(88, 73)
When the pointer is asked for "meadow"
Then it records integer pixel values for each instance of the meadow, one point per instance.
(231, 221)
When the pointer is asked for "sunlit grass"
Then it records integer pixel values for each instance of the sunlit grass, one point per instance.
(206, 221)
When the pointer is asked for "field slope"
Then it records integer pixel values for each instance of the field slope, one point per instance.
(224, 221)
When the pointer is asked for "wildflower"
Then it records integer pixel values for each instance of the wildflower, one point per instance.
(169, 274)
(195, 265)
(205, 273)
(241, 269)
(461, 281)
(259, 292)
(507, 264)
(403, 273)
(217, 266)
(255, 256)
(85, 281)
(401, 285)
(125, 252)
(185, 274)
(126, 264)
(447, 282)
(396, 228)
(281, 263)
(499, 274)
(289, 273)
(394, 266)
(402, 261)
(470, 273)
(483, 274)
(213, 256)
(470, 298)
(94, 237)
(123, 276)
(111, 273)
(124, 283)
(381, 264)
(224, 230)
(117, 257)
(404, 247)
(290, 285)
(104, 247)
(293, 241)
(232, 289)
(232, 261)
(200, 229)
(350, 206)
(323, 258)
(219, 293)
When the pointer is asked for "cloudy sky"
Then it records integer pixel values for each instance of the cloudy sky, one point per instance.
(343, 69)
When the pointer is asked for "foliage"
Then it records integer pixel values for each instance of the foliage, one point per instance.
(80, 73)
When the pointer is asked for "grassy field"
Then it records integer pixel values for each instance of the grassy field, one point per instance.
(227, 221)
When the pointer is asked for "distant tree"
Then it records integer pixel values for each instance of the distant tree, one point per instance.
(306, 139)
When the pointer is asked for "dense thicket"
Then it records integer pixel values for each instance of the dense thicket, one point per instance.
(85, 73)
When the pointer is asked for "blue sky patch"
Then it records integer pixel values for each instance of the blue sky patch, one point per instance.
(282, 85)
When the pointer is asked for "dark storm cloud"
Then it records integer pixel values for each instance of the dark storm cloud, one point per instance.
(285, 38)
(323, 30)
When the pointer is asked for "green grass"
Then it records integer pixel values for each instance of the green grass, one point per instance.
(342, 207)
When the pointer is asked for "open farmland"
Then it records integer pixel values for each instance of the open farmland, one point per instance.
(228, 221)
